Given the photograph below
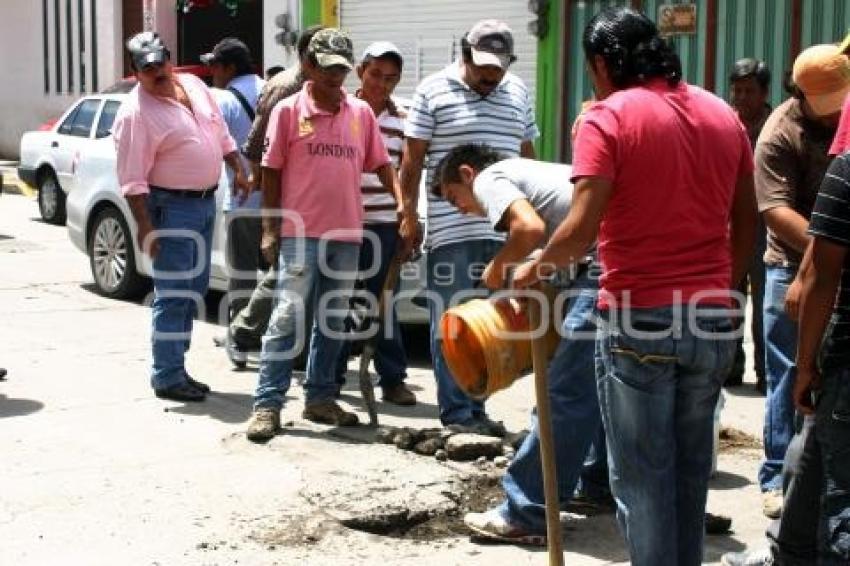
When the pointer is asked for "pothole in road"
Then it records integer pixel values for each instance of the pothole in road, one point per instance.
(442, 520)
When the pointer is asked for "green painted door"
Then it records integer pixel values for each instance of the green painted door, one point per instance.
(754, 28)
(824, 21)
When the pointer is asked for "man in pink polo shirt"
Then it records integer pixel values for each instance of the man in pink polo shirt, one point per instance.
(663, 176)
(318, 143)
(170, 139)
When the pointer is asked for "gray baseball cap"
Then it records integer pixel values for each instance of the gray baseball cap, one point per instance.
(332, 47)
(147, 48)
(492, 43)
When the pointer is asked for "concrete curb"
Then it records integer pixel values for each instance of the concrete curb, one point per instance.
(14, 186)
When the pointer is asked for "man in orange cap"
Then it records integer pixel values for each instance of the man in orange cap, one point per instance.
(792, 156)
(791, 159)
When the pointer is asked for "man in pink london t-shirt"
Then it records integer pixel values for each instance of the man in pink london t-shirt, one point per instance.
(318, 143)
(170, 140)
(661, 169)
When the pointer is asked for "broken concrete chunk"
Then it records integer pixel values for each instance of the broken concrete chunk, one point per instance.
(508, 451)
(403, 439)
(500, 462)
(385, 434)
(428, 447)
(441, 455)
(466, 447)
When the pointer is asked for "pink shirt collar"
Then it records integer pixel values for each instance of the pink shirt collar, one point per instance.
(307, 106)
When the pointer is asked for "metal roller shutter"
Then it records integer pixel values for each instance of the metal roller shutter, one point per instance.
(428, 32)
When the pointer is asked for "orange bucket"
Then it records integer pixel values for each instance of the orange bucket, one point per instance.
(478, 349)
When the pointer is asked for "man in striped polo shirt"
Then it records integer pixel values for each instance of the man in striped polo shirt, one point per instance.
(474, 99)
(379, 72)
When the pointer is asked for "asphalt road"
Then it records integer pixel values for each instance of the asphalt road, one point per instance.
(95, 470)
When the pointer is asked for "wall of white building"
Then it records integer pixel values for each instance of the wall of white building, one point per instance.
(31, 93)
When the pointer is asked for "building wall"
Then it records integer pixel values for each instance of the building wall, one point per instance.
(44, 74)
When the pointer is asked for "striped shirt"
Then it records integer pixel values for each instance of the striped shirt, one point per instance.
(831, 220)
(446, 112)
(379, 203)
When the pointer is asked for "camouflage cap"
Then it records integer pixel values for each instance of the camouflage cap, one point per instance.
(331, 47)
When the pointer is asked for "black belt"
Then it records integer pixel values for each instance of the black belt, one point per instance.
(188, 193)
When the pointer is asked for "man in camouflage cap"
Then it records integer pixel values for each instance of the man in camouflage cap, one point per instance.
(318, 143)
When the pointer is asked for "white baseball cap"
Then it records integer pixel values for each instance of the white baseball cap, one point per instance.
(381, 48)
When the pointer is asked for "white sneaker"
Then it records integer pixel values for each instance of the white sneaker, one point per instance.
(490, 525)
(760, 557)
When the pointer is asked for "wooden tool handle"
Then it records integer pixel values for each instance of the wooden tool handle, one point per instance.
(547, 450)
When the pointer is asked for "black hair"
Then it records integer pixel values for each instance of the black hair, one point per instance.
(273, 70)
(477, 155)
(749, 67)
(244, 66)
(633, 51)
(465, 50)
(304, 39)
(791, 87)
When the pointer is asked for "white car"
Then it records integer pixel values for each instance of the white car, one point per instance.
(101, 225)
(49, 156)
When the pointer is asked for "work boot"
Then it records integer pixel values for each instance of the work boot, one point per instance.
(760, 557)
(771, 503)
(264, 425)
(399, 394)
(717, 524)
(328, 412)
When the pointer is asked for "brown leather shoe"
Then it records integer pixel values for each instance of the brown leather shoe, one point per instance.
(264, 424)
(399, 395)
(328, 412)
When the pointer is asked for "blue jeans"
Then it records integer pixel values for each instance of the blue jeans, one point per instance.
(576, 421)
(390, 358)
(794, 536)
(181, 277)
(780, 345)
(452, 269)
(314, 277)
(832, 430)
(659, 377)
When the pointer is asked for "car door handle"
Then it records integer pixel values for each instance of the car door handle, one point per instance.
(54, 144)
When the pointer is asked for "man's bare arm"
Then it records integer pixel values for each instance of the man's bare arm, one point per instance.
(526, 149)
(411, 172)
(139, 209)
(744, 220)
(789, 226)
(271, 203)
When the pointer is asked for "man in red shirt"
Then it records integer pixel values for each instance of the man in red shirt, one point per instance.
(660, 169)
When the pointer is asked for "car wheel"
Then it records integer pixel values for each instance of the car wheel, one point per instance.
(51, 198)
(112, 257)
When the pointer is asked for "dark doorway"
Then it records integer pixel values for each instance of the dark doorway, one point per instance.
(201, 28)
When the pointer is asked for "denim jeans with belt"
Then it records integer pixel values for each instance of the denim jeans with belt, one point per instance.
(780, 345)
(576, 421)
(390, 358)
(315, 277)
(659, 374)
(181, 277)
(453, 272)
